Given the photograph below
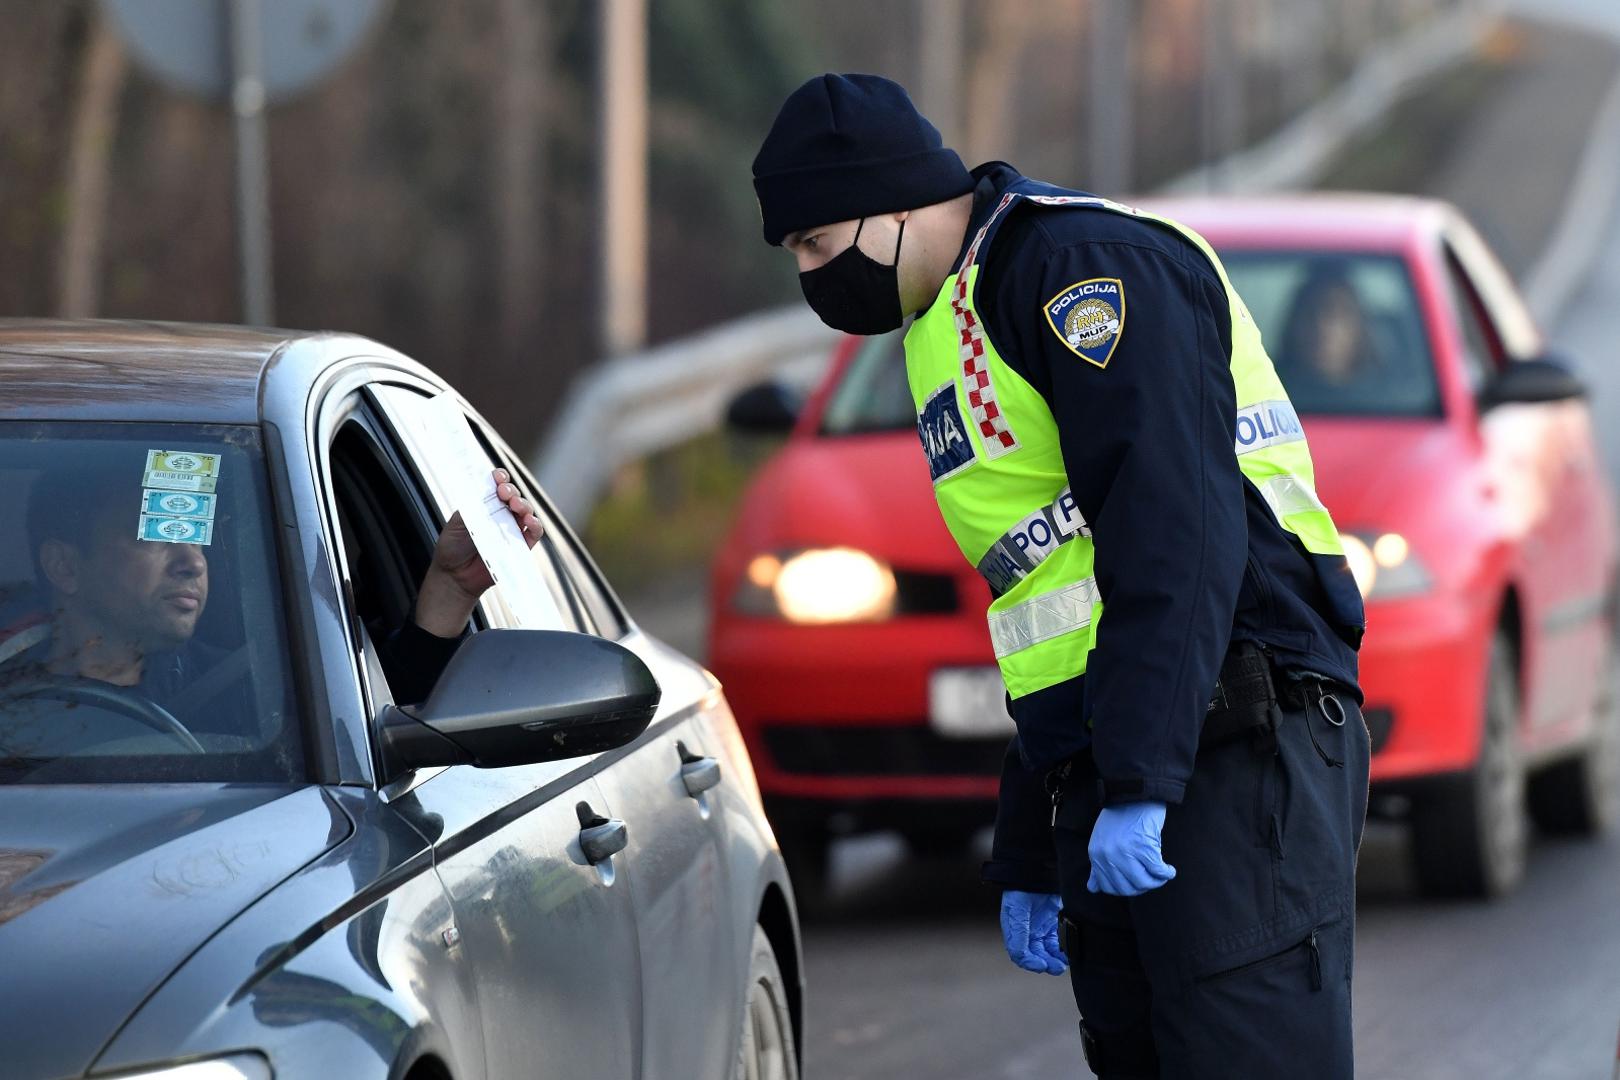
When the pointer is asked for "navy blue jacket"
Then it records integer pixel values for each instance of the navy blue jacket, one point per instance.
(1189, 557)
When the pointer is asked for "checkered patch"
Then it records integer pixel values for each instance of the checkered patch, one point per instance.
(996, 435)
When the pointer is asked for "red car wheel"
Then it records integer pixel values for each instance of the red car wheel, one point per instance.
(1470, 834)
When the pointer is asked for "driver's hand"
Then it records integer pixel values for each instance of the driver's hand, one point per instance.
(457, 577)
(455, 556)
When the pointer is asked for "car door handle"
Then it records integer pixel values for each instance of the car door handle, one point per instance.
(602, 842)
(699, 774)
(600, 838)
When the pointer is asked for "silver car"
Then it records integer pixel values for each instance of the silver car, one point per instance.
(249, 827)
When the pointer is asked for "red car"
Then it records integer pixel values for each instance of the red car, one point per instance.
(1457, 459)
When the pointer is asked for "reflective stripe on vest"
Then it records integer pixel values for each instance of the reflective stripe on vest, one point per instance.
(1043, 618)
(1287, 496)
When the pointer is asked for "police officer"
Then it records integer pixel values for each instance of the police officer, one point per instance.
(1173, 614)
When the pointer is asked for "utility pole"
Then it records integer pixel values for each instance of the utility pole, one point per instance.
(1110, 101)
(622, 90)
(95, 121)
(252, 162)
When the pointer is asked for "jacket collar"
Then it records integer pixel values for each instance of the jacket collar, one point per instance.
(989, 181)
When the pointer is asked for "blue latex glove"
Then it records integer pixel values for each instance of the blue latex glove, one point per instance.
(1126, 859)
(1029, 926)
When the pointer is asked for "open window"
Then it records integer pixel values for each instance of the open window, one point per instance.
(573, 577)
(558, 606)
(387, 539)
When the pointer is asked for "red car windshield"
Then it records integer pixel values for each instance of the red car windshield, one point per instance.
(1344, 331)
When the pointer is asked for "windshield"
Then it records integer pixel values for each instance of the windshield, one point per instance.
(873, 394)
(141, 632)
(1344, 331)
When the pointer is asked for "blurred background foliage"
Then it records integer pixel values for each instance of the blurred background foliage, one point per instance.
(439, 193)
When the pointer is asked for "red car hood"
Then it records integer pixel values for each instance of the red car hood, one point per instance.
(872, 491)
(1378, 473)
(865, 491)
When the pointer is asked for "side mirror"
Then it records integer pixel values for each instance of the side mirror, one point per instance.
(766, 409)
(517, 697)
(1529, 382)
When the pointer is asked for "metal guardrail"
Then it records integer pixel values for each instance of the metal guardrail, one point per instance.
(635, 405)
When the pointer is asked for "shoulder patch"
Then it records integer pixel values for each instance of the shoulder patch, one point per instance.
(1088, 317)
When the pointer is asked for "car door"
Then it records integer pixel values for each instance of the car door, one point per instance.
(674, 791)
(667, 786)
(550, 937)
(1548, 454)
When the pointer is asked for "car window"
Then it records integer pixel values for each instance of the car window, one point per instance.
(1344, 330)
(141, 622)
(1481, 350)
(560, 554)
(605, 614)
(1506, 318)
(386, 545)
(553, 609)
(872, 395)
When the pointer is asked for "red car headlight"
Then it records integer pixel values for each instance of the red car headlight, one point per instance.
(817, 586)
(1385, 566)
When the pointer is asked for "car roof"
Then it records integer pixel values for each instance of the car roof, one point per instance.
(1309, 219)
(134, 370)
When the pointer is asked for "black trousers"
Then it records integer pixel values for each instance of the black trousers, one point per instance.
(1240, 966)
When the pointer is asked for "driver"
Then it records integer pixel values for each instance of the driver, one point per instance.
(124, 611)
(1327, 343)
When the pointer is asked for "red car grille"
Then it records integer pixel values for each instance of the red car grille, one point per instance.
(879, 751)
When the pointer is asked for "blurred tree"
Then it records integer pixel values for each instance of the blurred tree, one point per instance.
(995, 77)
(719, 69)
(438, 192)
(519, 173)
(89, 156)
(39, 77)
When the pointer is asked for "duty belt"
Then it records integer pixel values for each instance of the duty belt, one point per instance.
(1244, 701)
(1244, 704)
(1251, 694)
(1027, 544)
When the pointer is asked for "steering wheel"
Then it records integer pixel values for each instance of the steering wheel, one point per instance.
(119, 699)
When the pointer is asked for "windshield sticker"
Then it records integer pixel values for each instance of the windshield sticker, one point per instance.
(177, 504)
(181, 470)
(171, 530)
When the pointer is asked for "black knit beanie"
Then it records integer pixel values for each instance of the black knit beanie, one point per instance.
(850, 146)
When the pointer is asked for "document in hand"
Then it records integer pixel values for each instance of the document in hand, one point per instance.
(460, 470)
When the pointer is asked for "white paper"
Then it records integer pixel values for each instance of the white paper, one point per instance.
(447, 446)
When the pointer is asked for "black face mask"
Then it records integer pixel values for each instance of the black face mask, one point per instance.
(854, 292)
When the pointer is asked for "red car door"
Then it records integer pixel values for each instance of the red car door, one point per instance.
(1545, 460)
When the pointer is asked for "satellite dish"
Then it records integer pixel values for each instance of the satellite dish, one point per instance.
(187, 43)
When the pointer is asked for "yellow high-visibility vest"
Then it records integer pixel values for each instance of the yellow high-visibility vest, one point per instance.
(999, 477)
